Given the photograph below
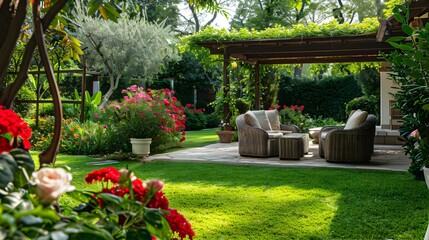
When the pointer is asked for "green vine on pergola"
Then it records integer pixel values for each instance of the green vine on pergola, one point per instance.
(332, 28)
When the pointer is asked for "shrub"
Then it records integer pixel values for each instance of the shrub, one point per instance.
(212, 120)
(195, 119)
(321, 122)
(293, 116)
(326, 97)
(410, 66)
(152, 114)
(365, 103)
(87, 138)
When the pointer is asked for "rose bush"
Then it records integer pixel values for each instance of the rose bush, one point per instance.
(13, 131)
(125, 208)
(51, 183)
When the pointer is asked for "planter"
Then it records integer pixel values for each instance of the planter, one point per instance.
(426, 174)
(225, 136)
(141, 146)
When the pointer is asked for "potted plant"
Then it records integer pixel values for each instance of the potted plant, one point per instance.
(149, 118)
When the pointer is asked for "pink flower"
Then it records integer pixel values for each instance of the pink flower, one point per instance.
(96, 116)
(153, 185)
(415, 134)
(52, 183)
(301, 108)
(105, 126)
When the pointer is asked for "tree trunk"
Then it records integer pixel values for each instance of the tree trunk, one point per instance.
(11, 21)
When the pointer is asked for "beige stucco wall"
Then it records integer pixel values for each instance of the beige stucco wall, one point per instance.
(386, 88)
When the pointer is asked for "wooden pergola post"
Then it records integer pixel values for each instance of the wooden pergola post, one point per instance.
(226, 110)
(257, 82)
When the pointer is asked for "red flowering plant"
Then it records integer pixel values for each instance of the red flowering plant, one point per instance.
(152, 114)
(195, 118)
(294, 115)
(137, 207)
(14, 132)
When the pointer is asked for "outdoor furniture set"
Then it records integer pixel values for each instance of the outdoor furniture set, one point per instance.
(261, 134)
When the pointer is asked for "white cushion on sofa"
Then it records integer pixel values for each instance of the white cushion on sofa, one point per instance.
(251, 120)
(273, 117)
(262, 119)
(356, 119)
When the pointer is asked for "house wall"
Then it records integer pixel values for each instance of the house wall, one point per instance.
(387, 87)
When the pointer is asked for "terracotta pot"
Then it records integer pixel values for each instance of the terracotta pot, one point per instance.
(225, 136)
(141, 146)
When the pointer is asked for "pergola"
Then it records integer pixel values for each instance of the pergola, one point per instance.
(326, 49)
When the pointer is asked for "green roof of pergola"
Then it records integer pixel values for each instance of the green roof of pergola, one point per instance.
(328, 49)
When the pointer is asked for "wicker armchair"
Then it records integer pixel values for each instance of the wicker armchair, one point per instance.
(257, 142)
(337, 144)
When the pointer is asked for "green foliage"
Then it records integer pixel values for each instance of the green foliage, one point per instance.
(369, 81)
(188, 74)
(322, 121)
(365, 103)
(212, 120)
(333, 28)
(25, 109)
(152, 114)
(293, 116)
(410, 66)
(87, 138)
(130, 48)
(195, 119)
(326, 97)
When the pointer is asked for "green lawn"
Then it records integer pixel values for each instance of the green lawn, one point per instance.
(248, 202)
(198, 138)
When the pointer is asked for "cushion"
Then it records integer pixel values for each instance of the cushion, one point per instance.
(273, 117)
(284, 132)
(356, 119)
(250, 119)
(272, 135)
(262, 119)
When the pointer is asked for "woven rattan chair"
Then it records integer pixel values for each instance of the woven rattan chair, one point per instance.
(337, 144)
(257, 142)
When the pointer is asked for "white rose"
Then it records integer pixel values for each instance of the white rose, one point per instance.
(52, 182)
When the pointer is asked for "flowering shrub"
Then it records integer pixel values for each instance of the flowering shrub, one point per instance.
(129, 209)
(89, 138)
(125, 184)
(195, 119)
(152, 114)
(293, 115)
(13, 131)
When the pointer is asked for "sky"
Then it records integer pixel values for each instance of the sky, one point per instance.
(220, 21)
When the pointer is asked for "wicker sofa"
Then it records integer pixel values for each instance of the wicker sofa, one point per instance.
(353, 142)
(259, 133)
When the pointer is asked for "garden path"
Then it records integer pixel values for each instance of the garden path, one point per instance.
(385, 157)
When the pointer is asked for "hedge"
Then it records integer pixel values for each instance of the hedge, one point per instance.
(326, 97)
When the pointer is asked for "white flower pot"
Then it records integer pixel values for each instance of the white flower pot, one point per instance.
(426, 173)
(141, 146)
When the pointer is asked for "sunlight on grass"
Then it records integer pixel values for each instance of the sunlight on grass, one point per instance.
(281, 211)
(254, 202)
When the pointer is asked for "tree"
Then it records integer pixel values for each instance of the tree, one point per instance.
(130, 47)
(198, 19)
(260, 14)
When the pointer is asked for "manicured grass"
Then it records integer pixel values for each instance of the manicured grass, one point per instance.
(198, 138)
(248, 202)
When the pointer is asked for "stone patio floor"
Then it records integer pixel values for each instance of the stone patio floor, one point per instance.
(385, 157)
